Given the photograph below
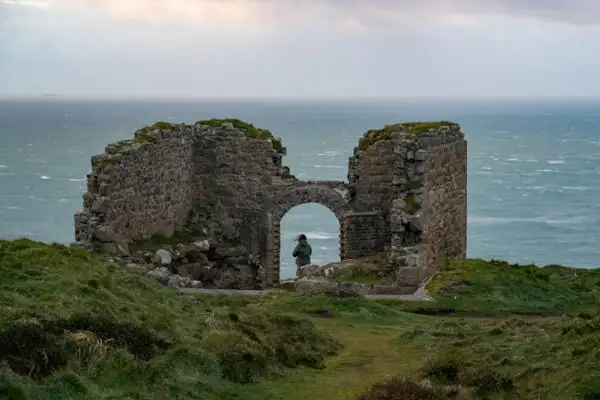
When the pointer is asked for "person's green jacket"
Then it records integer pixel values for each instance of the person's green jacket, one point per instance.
(302, 252)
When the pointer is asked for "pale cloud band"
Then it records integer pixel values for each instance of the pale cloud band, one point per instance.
(359, 12)
(26, 3)
(299, 48)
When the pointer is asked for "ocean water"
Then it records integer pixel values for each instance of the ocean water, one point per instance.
(534, 166)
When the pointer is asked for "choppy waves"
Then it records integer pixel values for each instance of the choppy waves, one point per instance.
(533, 175)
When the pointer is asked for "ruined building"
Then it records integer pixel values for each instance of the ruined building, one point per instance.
(224, 181)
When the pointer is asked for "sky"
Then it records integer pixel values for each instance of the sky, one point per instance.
(299, 48)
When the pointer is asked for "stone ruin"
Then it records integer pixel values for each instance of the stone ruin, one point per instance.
(200, 205)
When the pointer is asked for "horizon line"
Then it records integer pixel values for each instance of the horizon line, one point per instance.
(170, 98)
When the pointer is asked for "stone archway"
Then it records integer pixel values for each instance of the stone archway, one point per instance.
(334, 197)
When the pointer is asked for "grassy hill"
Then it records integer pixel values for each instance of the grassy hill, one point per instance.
(73, 326)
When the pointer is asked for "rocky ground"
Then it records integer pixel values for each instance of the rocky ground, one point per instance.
(201, 268)
(198, 265)
(352, 278)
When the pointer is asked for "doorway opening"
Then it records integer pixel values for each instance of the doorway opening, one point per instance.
(322, 229)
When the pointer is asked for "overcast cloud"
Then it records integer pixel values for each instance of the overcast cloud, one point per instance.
(299, 48)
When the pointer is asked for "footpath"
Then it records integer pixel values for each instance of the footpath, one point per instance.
(419, 295)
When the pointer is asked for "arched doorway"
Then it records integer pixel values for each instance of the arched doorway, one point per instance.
(322, 229)
(332, 198)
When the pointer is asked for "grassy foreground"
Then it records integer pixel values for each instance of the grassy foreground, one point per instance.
(75, 327)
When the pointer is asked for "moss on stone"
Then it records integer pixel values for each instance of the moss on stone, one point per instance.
(373, 136)
(249, 129)
(370, 270)
(158, 126)
(424, 127)
(278, 145)
(365, 273)
(411, 204)
(118, 147)
(415, 185)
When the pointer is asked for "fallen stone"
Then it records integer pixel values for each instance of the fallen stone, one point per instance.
(313, 271)
(408, 276)
(202, 245)
(287, 284)
(135, 267)
(193, 271)
(313, 286)
(163, 257)
(161, 274)
(174, 281)
(196, 285)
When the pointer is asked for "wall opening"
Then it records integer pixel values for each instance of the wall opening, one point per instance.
(322, 229)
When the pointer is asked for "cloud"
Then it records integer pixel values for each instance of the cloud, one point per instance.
(299, 48)
(350, 13)
(25, 3)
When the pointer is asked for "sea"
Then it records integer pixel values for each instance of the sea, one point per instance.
(533, 165)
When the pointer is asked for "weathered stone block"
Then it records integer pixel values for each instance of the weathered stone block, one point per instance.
(407, 276)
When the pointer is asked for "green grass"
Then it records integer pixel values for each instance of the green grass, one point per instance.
(495, 330)
(246, 127)
(411, 204)
(373, 136)
(518, 332)
(364, 274)
(118, 147)
(144, 137)
(369, 271)
(499, 287)
(517, 358)
(160, 125)
(73, 326)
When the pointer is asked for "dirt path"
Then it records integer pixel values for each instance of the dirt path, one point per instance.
(419, 295)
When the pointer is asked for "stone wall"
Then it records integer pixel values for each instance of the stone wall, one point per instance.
(225, 183)
(445, 202)
(363, 234)
(371, 177)
(428, 217)
(231, 174)
(138, 188)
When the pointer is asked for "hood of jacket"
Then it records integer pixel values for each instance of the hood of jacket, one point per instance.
(303, 243)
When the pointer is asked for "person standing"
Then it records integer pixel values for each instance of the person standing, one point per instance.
(302, 251)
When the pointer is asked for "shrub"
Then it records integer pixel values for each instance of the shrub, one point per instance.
(404, 389)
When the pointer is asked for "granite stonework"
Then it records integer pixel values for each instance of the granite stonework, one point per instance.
(405, 196)
(136, 190)
(428, 215)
